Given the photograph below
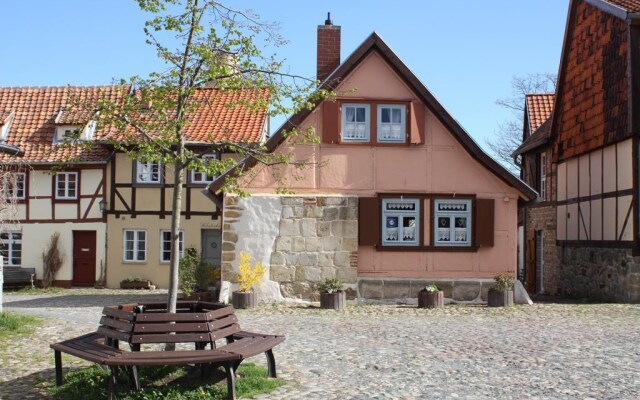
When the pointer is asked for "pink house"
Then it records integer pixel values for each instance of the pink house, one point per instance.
(396, 194)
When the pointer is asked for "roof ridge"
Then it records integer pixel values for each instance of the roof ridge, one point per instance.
(541, 94)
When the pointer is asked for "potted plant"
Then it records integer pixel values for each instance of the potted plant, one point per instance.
(135, 282)
(501, 293)
(332, 296)
(248, 278)
(431, 296)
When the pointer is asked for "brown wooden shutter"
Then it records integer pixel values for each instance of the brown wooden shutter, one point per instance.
(331, 122)
(485, 216)
(368, 221)
(416, 127)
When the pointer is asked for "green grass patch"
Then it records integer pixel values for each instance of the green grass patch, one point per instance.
(168, 382)
(30, 290)
(12, 325)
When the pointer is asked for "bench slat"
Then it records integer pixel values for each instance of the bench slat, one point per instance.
(167, 338)
(114, 334)
(251, 346)
(114, 312)
(171, 317)
(126, 326)
(224, 332)
(223, 322)
(163, 327)
(172, 358)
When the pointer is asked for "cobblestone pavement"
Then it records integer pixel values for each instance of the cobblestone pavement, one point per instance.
(545, 351)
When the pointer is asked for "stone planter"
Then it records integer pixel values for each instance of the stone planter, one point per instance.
(333, 301)
(135, 285)
(245, 299)
(500, 298)
(430, 300)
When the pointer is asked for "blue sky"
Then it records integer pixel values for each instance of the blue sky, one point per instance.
(465, 51)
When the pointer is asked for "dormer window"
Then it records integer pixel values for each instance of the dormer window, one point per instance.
(5, 125)
(67, 133)
(201, 177)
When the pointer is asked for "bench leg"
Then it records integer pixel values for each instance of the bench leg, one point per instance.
(58, 361)
(271, 364)
(112, 382)
(231, 381)
(134, 379)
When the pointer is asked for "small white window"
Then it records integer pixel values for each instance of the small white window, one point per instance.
(355, 122)
(543, 176)
(203, 177)
(5, 126)
(13, 186)
(148, 172)
(135, 245)
(452, 222)
(67, 185)
(11, 248)
(400, 222)
(165, 245)
(392, 127)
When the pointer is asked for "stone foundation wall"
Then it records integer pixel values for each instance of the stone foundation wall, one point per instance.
(599, 274)
(467, 291)
(544, 218)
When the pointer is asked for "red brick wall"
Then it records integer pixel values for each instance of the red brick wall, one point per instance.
(328, 50)
(593, 107)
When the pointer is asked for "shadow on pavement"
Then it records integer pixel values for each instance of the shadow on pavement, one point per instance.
(80, 301)
(29, 386)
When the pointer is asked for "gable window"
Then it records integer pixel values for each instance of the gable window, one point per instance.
(67, 185)
(11, 248)
(135, 245)
(67, 133)
(356, 122)
(13, 186)
(148, 172)
(400, 222)
(165, 245)
(543, 176)
(202, 177)
(392, 123)
(452, 222)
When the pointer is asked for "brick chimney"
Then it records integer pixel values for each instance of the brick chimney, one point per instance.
(328, 49)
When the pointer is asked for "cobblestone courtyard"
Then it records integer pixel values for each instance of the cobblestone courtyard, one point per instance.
(545, 351)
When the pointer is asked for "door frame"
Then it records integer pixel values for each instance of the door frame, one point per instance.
(73, 257)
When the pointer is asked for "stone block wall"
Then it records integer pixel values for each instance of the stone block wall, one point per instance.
(300, 239)
(544, 218)
(599, 274)
(318, 239)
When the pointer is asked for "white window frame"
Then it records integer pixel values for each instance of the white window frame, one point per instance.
(543, 176)
(12, 239)
(144, 172)
(163, 251)
(11, 188)
(62, 131)
(136, 245)
(389, 215)
(403, 123)
(67, 185)
(199, 177)
(367, 123)
(452, 214)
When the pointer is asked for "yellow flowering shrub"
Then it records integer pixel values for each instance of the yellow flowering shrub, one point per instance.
(249, 276)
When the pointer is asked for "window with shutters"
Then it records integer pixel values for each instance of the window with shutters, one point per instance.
(356, 122)
(400, 222)
(392, 123)
(452, 222)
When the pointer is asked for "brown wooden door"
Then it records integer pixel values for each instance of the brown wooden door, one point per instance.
(84, 258)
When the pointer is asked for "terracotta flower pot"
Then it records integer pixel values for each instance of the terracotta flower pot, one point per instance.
(500, 298)
(244, 299)
(430, 300)
(333, 301)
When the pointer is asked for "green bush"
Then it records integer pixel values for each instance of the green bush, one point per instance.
(503, 282)
(187, 271)
(330, 285)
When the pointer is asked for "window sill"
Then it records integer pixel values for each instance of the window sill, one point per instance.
(430, 249)
(134, 262)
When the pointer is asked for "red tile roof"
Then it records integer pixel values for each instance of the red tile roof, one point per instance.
(539, 108)
(632, 6)
(39, 109)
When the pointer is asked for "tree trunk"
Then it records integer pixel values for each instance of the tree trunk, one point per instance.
(176, 207)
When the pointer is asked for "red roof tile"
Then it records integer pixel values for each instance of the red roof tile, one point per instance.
(539, 108)
(39, 109)
(632, 6)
